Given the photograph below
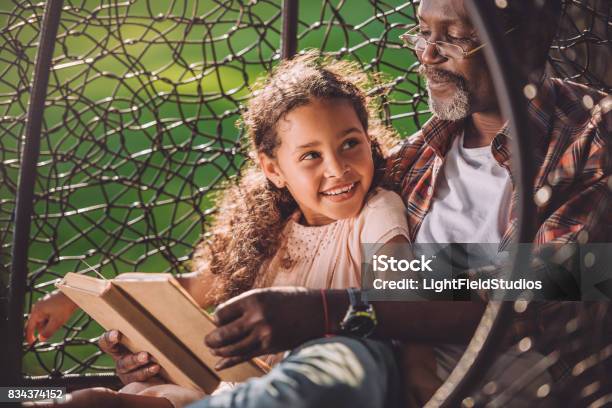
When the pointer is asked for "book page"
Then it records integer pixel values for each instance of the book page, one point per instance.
(169, 302)
(113, 309)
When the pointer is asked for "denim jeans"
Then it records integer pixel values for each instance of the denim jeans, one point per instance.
(333, 372)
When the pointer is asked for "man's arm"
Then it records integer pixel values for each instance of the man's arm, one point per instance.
(270, 320)
(435, 321)
(276, 319)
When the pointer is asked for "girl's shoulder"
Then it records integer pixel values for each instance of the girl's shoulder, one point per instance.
(383, 216)
(383, 199)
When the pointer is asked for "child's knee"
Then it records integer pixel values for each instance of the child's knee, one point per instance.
(138, 386)
(177, 395)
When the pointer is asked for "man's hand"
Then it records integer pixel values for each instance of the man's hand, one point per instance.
(263, 321)
(130, 366)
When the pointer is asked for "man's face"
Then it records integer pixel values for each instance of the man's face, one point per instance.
(456, 87)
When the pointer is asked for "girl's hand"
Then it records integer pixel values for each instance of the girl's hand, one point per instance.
(263, 321)
(48, 315)
(130, 367)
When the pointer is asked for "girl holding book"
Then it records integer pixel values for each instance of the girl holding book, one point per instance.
(299, 214)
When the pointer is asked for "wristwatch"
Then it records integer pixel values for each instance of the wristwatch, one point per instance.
(360, 319)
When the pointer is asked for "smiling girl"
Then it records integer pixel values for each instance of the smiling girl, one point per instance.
(299, 217)
(299, 214)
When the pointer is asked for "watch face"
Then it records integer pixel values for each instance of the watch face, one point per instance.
(360, 325)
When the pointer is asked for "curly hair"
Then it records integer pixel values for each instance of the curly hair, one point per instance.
(253, 212)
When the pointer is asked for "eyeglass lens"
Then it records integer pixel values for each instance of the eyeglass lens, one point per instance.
(446, 50)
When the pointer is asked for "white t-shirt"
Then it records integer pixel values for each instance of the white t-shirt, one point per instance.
(471, 200)
(470, 205)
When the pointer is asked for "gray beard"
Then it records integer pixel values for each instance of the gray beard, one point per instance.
(458, 107)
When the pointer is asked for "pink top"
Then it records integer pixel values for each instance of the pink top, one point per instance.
(330, 256)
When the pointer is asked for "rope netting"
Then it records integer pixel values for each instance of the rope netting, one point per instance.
(582, 50)
(139, 124)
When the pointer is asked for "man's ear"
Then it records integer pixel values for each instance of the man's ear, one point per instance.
(271, 170)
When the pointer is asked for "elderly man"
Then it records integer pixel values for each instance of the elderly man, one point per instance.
(435, 172)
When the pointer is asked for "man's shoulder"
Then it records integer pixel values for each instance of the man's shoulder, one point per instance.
(415, 154)
(410, 145)
(571, 90)
(405, 156)
(578, 105)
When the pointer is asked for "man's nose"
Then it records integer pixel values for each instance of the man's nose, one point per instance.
(335, 167)
(430, 55)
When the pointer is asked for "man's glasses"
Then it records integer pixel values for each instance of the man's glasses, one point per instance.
(414, 40)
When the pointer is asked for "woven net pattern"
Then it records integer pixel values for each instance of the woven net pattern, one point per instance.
(582, 50)
(139, 124)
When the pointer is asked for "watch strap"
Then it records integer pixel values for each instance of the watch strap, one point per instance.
(357, 298)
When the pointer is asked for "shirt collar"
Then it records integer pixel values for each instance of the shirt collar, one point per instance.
(439, 134)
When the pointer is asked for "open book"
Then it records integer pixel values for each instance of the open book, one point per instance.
(155, 314)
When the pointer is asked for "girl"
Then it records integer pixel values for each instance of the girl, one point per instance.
(299, 215)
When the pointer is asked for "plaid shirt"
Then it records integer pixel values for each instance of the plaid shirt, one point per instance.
(572, 184)
(571, 125)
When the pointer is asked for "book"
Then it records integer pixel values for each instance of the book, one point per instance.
(155, 314)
